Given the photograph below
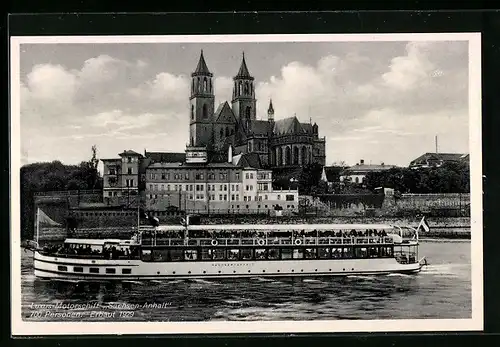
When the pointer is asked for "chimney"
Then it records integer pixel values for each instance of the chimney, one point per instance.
(230, 154)
(362, 162)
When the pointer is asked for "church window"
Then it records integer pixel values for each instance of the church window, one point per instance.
(227, 131)
(248, 112)
(192, 86)
(221, 133)
(210, 85)
(205, 85)
(198, 84)
(246, 88)
(192, 112)
(232, 131)
(192, 141)
(239, 88)
(205, 111)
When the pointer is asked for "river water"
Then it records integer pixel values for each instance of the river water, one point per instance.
(441, 290)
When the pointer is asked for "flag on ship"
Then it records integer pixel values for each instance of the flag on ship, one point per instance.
(45, 220)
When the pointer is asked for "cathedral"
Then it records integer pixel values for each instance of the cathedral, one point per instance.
(262, 143)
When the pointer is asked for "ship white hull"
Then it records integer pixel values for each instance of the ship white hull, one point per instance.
(50, 267)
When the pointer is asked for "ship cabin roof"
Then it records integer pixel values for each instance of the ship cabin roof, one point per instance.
(279, 227)
(98, 242)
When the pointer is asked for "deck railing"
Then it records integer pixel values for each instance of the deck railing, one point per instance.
(295, 241)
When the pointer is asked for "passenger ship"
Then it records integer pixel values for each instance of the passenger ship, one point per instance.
(229, 251)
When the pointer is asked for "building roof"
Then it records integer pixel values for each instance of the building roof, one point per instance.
(112, 159)
(166, 157)
(224, 165)
(250, 160)
(129, 152)
(243, 71)
(361, 169)
(456, 157)
(202, 68)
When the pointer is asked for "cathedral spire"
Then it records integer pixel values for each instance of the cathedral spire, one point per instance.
(202, 68)
(270, 110)
(243, 72)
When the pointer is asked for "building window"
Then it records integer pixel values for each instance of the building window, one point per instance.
(237, 175)
(245, 198)
(129, 171)
(265, 197)
(220, 197)
(225, 187)
(129, 159)
(251, 176)
(186, 176)
(251, 187)
(237, 197)
(225, 197)
(110, 194)
(278, 197)
(232, 197)
(247, 176)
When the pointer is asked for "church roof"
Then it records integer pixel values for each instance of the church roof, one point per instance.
(259, 127)
(202, 68)
(243, 71)
(289, 125)
(224, 113)
(308, 128)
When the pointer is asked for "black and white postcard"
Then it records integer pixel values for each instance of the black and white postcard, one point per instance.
(246, 183)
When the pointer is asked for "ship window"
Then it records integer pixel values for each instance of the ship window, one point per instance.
(361, 252)
(337, 253)
(310, 253)
(213, 254)
(62, 268)
(386, 252)
(190, 254)
(146, 255)
(126, 271)
(298, 253)
(94, 270)
(78, 269)
(273, 254)
(324, 253)
(206, 254)
(176, 255)
(260, 254)
(373, 252)
(233, 254)
(159, 255)
(246, 254)
(110, 270)
(286, 253)
(347, 252)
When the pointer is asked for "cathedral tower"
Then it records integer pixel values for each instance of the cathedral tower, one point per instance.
(244, 103)
(201, 106)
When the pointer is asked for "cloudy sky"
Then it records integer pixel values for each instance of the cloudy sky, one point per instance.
(377, 101)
